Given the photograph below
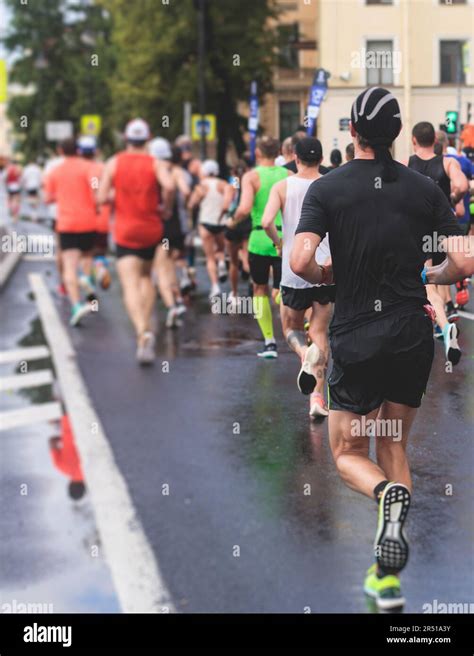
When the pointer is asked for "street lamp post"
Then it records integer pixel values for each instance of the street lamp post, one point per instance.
(201, 6)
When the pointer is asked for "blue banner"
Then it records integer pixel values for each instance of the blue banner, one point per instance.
(316, 96)
(253, 120)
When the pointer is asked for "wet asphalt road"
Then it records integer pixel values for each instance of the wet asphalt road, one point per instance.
(230, 435)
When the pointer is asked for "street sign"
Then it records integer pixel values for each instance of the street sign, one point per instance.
(209, 127)
(3, 81)
(59, 130)
(344, 124)
(91, 125)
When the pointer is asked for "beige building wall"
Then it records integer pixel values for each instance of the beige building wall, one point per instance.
(416, 28)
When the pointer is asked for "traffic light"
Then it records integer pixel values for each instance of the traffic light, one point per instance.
(452, 118)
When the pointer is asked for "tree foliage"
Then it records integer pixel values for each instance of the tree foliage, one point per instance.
(52, 44)
(157, 66)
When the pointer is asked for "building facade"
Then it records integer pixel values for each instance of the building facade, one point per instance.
(422, 50)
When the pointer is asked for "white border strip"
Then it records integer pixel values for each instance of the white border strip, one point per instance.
(27, 353)
(31, 415)
(22, 381)
(135, 572)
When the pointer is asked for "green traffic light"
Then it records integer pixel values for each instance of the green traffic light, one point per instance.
(451, 122)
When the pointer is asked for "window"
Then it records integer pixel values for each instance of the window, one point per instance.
(287, 42)
(290, 118)
(451, 62)
(379, 62)
(379, 2)
(452, 2)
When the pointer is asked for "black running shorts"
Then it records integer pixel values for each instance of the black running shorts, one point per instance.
(387, 360)
(302, 299)
(81, 241)
(240, 233)
(260, 269)
(146, 254)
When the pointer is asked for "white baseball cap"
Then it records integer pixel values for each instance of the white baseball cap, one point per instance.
(137, 130)
(87, 143)
(210, 167)
(160, 148)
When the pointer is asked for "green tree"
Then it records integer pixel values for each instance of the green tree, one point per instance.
(156, 46)
(62, 58)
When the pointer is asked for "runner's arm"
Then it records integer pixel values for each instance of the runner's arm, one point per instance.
(273, 206)
(106, 182)
(196, 196)
(303, 262)
(181, 183)
(459, 183)
(459, 262)
(246, 199)
(168, 188)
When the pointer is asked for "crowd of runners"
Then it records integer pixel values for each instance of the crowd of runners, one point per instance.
(364, 261)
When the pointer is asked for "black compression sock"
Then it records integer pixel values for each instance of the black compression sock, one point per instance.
(379, 488)
(449, 306)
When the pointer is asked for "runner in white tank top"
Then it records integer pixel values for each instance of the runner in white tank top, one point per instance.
(299, 296)
(214, 197)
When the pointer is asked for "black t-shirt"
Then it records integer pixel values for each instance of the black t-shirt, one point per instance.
(379, 235)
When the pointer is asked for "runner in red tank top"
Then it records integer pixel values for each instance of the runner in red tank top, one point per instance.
(144, 191)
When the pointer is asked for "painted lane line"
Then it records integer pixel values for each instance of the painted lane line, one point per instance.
(466, 315)
(27, 353)
(135, 571)
(23, 381)
(30, 415)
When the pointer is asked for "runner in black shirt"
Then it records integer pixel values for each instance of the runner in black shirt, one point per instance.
(378, 215)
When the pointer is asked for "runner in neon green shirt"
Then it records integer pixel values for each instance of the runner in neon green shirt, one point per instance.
(263, 256)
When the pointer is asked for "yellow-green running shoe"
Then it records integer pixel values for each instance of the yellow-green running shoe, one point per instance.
(384, 591)
(391, 546)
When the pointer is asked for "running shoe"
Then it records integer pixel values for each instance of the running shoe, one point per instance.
(180, 307)
(102, 275)
(451, 313)
(269, 351)
(451, 346)
(222, 271)
(437, 332)
(385, 591)
(391, 546)
(78, 312)
(215, 291)
(462, 293)
(306, 380)
(172, 317)
(317, 406)
(88, 288)
(146, 349)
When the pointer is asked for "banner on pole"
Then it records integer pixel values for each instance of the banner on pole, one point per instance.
(253, 119)
(316, 96)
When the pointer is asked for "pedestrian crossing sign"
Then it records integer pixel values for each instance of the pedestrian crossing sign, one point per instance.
(3, 81)
(209, 127)
(91, 125)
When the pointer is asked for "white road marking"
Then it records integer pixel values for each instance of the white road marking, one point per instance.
(39, 258)
(135, 571)
(30, 415)
(466, 315)
(27, 353)
(22, 381)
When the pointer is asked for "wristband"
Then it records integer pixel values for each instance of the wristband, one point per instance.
(423, 276)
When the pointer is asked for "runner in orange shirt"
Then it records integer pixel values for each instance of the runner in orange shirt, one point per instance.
(69, 185)
(144, 193)
(88, 149)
